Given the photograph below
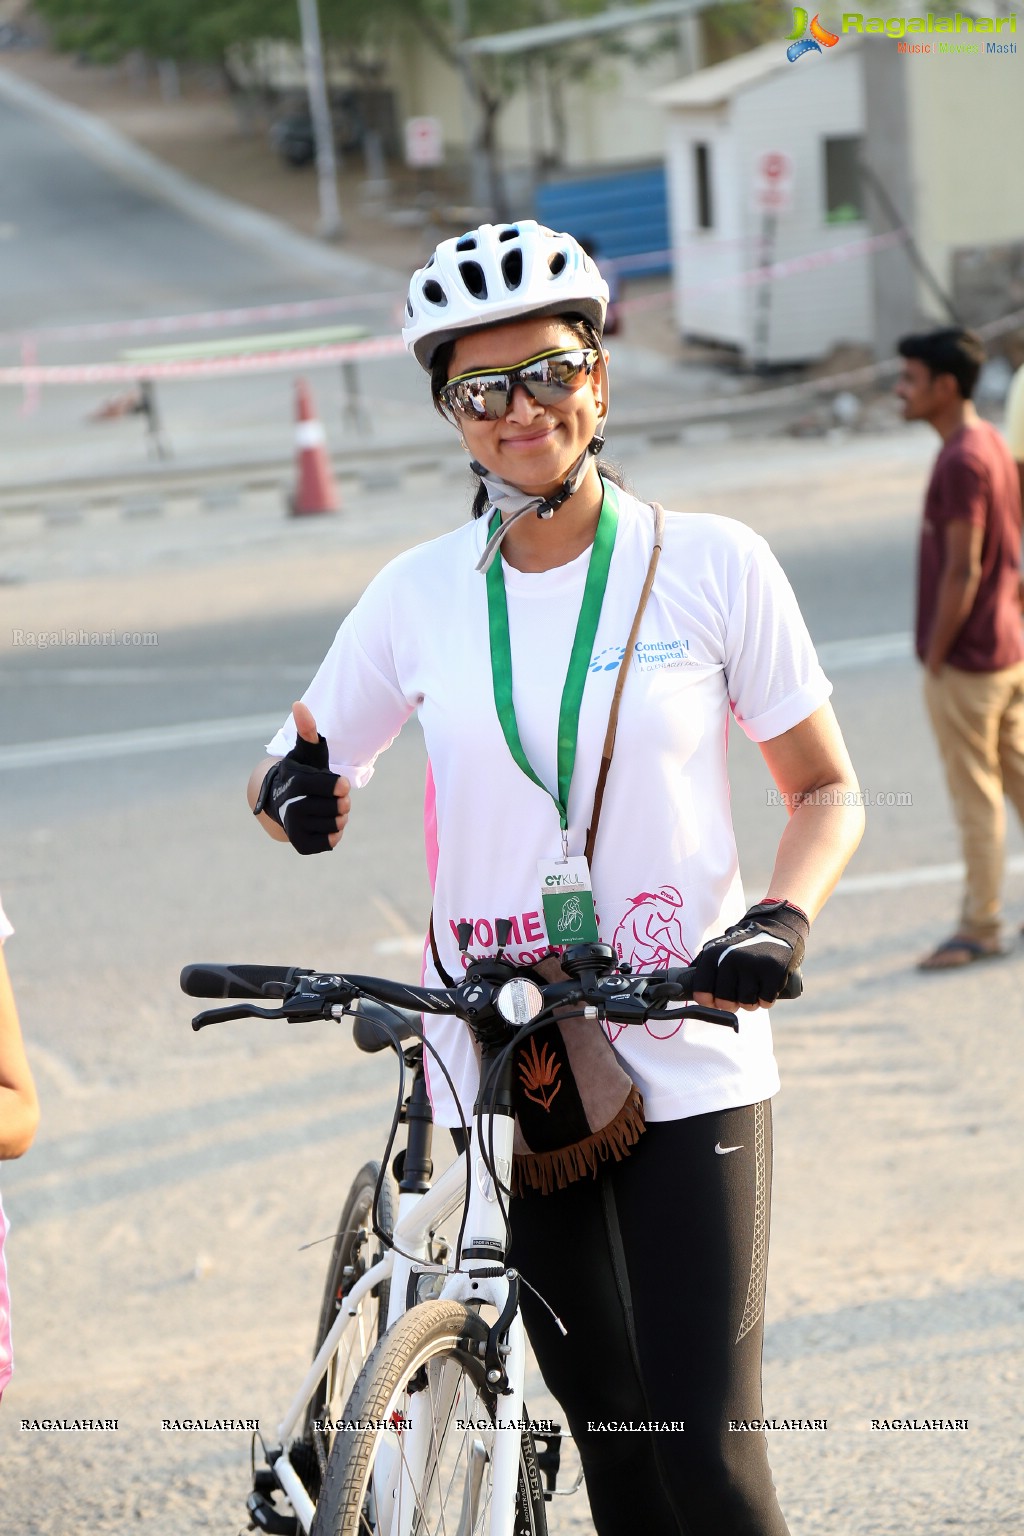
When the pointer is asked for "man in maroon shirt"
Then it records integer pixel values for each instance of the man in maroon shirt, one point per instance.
(969, 633)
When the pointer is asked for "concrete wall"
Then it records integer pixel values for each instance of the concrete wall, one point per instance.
(967, 116)
(610, 116)
(896, 301)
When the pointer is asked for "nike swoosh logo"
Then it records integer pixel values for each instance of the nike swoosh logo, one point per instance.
(722, 1150)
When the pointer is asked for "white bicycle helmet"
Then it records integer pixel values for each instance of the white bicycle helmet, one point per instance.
(500, 272)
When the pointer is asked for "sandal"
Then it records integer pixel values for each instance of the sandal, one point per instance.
(958, 951)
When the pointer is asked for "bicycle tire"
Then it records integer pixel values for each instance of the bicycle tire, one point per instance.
(432, 1348)
(355, 1249)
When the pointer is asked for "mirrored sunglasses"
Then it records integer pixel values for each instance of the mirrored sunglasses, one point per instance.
(548, 378)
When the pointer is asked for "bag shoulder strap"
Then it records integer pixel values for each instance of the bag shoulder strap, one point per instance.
(620, 682)
(613, 718)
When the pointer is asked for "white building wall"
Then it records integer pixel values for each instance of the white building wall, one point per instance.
(967, 142)
(707, 301)
(611, 117)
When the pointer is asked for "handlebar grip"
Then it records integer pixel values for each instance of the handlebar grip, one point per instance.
(794, 986)
(683, 977)
(213, 980)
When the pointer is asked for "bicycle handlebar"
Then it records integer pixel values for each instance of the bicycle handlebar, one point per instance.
(240, 980)
(306, 994)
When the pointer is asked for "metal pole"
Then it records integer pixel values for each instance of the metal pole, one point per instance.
(320, 112)
(763, 312)
(478, 176)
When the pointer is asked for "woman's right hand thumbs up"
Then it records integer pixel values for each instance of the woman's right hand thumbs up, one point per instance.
(308, 801)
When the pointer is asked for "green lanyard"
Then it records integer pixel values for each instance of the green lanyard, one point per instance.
(579, 659)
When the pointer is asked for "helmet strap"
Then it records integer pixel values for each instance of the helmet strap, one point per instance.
(514, 503)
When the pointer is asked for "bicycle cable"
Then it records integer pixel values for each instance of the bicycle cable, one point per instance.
(387, 1238)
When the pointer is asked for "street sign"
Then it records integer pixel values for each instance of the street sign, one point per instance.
(773, 181)
(424, 144)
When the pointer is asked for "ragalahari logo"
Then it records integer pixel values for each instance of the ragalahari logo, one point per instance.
(819, 37)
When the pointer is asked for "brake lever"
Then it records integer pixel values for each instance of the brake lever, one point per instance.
(709, 1015)
(240, 1011)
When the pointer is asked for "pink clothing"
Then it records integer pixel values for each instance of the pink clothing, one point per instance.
(6, 1351)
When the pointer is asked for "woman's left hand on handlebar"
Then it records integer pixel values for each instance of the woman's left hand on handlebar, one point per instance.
(746, 966)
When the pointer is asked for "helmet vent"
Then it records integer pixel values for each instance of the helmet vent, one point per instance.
(557, 263)
(408, 308)
(467, 243)
(512, 268)
(473, 277)
(434, 293)
(511, 232)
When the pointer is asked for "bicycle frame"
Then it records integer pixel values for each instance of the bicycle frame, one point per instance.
(479, 1275)
(420, 1216)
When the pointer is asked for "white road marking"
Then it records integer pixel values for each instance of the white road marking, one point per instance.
(902, 879)
(159, 738)
(870, 651)
(405, 944)
(213, 672)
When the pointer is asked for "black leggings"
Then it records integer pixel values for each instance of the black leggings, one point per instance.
(657, 1270)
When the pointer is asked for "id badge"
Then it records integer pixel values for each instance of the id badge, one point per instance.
(567, 900)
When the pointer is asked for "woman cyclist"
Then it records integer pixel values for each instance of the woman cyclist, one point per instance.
(506, 637)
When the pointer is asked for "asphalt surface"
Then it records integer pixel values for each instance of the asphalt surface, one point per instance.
(157, 1220)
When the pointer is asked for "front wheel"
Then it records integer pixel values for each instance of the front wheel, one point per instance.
(356, 1249)
(425, 1375)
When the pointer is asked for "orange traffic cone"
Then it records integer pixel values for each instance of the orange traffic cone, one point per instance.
(315, 490)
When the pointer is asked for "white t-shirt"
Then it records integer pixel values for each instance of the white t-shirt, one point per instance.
(721, 634)
(5, 928)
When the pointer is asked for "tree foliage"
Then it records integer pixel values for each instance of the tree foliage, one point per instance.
(187, 30)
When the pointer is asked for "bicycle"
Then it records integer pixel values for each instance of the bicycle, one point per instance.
(434, 1435)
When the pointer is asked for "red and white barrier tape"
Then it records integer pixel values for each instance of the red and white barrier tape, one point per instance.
(204, 368)
(206, 320)
(791, 267)
(810, 262)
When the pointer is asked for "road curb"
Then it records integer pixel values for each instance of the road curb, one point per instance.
(382, 469)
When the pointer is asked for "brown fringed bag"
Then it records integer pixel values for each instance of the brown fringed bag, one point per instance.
(575, 1104)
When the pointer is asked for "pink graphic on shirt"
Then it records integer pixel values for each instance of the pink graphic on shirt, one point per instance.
(433, 854)
(430, 825)
(650, 938)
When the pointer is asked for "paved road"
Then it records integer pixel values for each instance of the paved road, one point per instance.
(157, 1221)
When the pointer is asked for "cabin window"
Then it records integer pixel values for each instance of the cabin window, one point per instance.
(702, 182)
(844, 186)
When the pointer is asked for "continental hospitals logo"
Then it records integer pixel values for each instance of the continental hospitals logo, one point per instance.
(818, 37)
(813, 37)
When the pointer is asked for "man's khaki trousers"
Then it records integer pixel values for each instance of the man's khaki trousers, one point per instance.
(978, 719)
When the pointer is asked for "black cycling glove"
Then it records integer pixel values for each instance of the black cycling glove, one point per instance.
(749, 963)
(298, 793)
